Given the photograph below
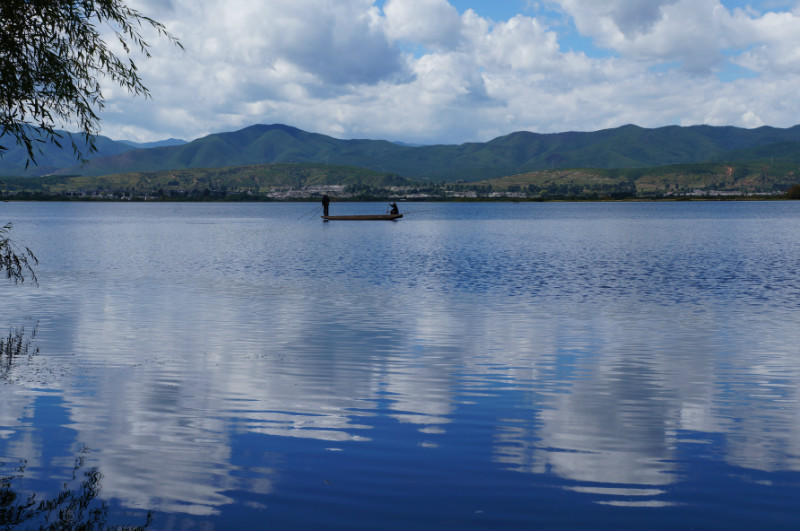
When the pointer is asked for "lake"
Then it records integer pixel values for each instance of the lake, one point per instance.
(473, 366)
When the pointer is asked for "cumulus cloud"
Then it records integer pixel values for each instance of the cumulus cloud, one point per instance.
(772, 42)
(611, 20)
(339, 43)
(692, 32)
(420, 71)
(431, 23)
(701, 35)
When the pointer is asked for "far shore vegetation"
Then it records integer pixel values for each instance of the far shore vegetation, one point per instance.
(308, 182)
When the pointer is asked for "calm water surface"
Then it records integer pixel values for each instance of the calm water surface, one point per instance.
(472, 366)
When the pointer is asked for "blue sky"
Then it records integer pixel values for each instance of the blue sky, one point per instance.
(453, 71)
(497, 10)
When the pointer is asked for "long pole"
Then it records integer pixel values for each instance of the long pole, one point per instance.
(309, 212)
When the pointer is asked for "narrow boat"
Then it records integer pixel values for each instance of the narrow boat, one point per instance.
(364, 217)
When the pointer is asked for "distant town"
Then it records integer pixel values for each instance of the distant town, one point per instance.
(441, 192)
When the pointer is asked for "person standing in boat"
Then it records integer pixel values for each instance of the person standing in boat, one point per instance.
(325, 202)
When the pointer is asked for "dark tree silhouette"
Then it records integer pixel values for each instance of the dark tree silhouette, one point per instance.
(52, 56)
(76, 507)
(15, 259)
(15, 346)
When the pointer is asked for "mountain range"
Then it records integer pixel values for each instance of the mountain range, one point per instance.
(627, 146)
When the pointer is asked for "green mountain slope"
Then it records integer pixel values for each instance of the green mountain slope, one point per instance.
(787, 152)
(52, 158)
(622, 147)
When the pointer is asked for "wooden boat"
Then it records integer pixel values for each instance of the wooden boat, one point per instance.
(364, 217)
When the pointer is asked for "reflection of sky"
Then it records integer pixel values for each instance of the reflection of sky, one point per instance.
(162, 371)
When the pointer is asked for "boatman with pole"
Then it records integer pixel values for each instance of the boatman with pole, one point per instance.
(325, 202)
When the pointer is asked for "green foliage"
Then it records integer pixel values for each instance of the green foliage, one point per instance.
(304, 181)
(741, 172)
(794, 192)
(221, 183)
(52, 58)
(15, 259)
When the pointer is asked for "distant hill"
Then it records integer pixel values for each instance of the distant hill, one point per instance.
(623, 147)
(258, 144)
(256, 179)
(787, 152)
(159, 143)
(659, 181)
(521, 152)
(53, 158)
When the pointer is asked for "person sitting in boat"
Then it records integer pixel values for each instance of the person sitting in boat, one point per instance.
(394, 209)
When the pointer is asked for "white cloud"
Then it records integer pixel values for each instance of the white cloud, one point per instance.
(432, 23)
(418, 71)
(774, 42)
(521, 44)
(692, 32)
(339, 43)
(615, 20)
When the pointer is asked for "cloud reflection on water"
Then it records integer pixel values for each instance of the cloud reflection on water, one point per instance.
(168, 386)
(165, 376)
